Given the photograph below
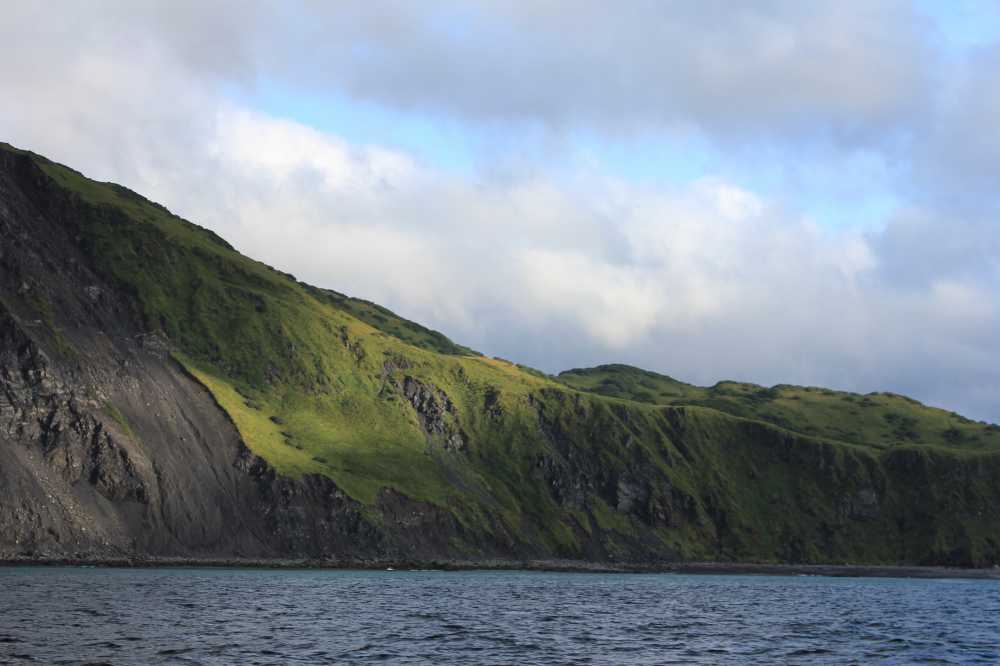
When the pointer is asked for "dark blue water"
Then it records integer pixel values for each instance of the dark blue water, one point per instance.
(194, 616)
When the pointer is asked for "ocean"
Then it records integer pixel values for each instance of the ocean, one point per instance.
(74, 615)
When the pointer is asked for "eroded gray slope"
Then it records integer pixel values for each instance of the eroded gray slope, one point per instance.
(109, 449)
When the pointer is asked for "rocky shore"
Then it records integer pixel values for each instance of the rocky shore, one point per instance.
(565, 566)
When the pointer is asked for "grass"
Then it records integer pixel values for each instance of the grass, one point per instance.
(880, 420)
(312, 381)
(389, 322)
(120, 419)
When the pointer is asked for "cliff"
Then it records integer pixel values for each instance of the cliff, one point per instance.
(163, 396)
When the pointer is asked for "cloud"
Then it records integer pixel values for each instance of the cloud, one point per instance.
(702, 278)
(775, 66)
(957, 142)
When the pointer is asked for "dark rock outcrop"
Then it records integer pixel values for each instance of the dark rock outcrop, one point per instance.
(110, 448)
(436, 413)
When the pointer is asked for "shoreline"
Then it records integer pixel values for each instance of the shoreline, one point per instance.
(555, 566)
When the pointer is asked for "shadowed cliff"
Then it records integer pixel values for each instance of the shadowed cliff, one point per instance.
(162, 395)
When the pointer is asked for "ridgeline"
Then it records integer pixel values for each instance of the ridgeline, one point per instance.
(163, 396)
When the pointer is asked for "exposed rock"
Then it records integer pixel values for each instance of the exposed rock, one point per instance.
(631, 495)
(110, 449)
(492, 405)
(93, 292)
(861, 505)
(436, 413)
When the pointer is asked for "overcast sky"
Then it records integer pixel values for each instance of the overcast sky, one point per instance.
(771, 191)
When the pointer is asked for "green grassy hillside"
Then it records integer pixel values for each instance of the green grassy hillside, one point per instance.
(879, 420)
(313, 379)
(652, 469)
(389, 322)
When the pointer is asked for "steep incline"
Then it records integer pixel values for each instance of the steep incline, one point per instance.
(109, 447)
(162, 395)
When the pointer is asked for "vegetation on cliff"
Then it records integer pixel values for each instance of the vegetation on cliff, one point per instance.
(611, 463)
(880, 420)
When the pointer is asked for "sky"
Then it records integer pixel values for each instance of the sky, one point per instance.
(771, 191)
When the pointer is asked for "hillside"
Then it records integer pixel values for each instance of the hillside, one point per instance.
(162, 395)
(879, 420)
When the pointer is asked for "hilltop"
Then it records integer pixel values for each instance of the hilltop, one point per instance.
(162, 395)
(879, 420)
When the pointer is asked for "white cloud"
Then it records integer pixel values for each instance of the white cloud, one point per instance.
(779, 65)
(614, 305)
(703, 280)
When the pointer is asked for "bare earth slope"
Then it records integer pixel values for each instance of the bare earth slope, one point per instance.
(163, 396)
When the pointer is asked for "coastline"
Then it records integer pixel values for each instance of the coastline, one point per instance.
(556, 566)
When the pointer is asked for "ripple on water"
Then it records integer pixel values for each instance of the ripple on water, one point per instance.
(207, 617)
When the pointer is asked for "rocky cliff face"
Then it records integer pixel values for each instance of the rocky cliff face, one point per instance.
(110, 447)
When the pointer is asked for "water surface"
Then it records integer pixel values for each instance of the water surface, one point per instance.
(239, 616)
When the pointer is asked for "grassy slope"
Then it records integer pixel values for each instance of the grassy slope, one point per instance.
(879, 420)
(389, 322)
(312, 380)
(310, 383)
